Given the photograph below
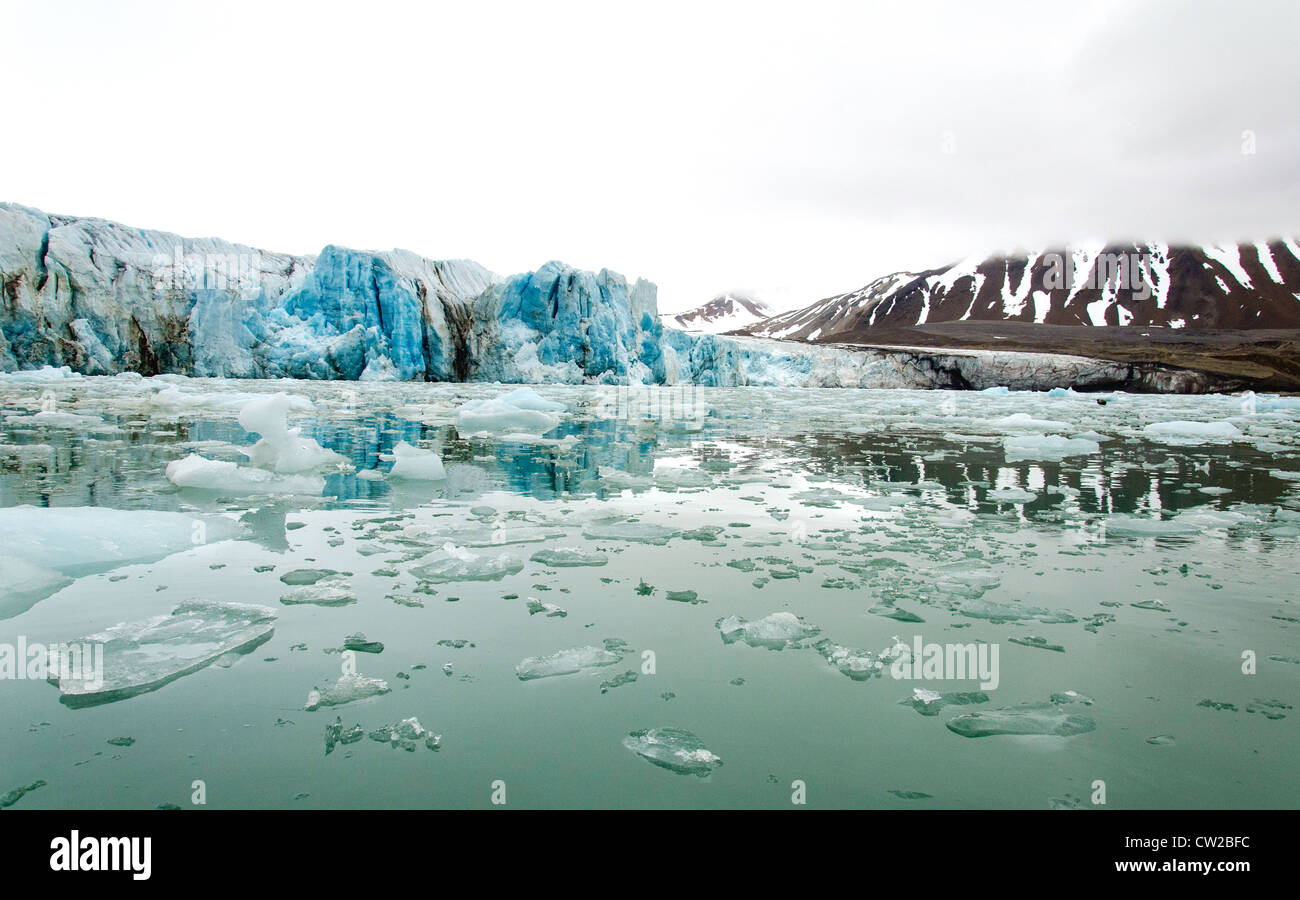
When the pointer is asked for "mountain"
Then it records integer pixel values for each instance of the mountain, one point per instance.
(731, 311)
(1231, 310)
(1248, 286)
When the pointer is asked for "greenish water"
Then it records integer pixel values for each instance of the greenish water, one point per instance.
(848, 509)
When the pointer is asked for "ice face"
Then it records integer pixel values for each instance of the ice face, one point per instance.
(675, 749)
(143, 656)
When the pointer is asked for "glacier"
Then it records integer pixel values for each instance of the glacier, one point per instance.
(100, 298)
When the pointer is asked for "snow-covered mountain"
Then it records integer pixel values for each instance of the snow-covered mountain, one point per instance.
(1247, 286)
(731, 311)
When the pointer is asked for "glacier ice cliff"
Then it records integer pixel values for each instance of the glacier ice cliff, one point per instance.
(103, 298)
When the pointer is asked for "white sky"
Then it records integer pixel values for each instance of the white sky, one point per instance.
(793, 150)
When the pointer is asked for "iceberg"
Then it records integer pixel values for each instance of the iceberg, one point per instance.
(416, 463)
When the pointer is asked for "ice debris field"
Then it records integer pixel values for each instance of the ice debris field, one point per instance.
(674, 596)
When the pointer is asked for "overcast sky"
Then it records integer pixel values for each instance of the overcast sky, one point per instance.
(794, 150)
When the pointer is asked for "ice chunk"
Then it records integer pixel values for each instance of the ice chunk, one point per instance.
(347, 689)
(565, 662)
(675, 749)
(775, 632)
(407, 734)
(80, 540)
(568, 557)
(1127, 525)
(332, 591)
(281, 448)
(143, 656)
(1011, 495)
(454, 563)
(417, 464)
(638, 532)
(858, 664)
(195, 471)
(1024, 421)
(521, 410)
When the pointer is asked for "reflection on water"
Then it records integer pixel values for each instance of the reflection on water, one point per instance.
(1123, 581)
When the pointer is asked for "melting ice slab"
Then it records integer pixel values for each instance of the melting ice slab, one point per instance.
(454, 563)
(1033, 718)
(566, 662)
(143, 656)
(675, 749)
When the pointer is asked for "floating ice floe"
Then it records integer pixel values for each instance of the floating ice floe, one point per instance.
(24, 584)
(144, 656)
(1126, 525)
(569, 557)
(859, 664)
(566, 662)
(406, 734)
(976, 608)
(55, 419)
(1048, 447)
(1011, 495)
(416, 463)
(623, 530)
(675, 749)
(331, 591)
(1026, 422)
(775, 632)
(200, 473)
(43, 375)
(453, 563)
(1193, 432)
(81, 540)
(346, 690)
(1029, 719)
(930, 703)
(520, 410)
